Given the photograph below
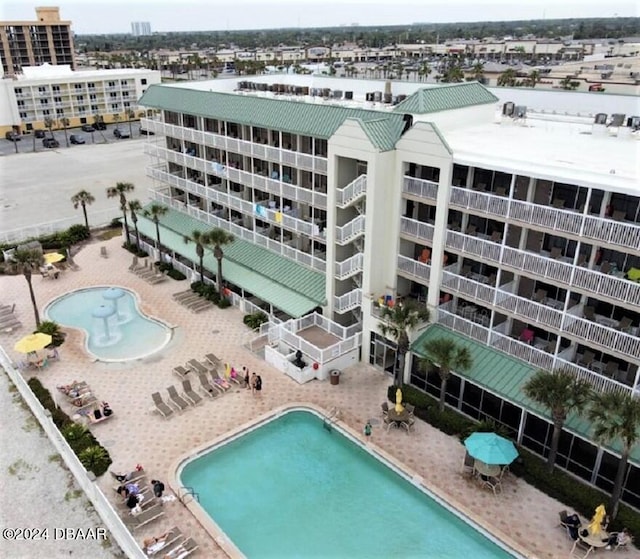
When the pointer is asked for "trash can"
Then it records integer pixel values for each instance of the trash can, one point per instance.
(334, 376)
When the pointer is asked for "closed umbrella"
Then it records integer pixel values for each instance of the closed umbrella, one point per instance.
(491, 448)
(53, 257)
(399, 406)
(32, 342)
(596, 522)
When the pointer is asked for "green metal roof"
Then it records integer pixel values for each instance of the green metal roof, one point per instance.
(296, 117)
(273, 278)
(445, 98)
(505, 376)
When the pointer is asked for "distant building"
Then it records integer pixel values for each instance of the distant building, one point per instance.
(140, 28)
(32, 43)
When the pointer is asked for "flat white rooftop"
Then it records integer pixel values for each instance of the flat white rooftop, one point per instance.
(63, 71)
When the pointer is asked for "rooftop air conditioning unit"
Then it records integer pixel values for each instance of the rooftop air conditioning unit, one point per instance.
(520, 111)
(337, 94)
(601, 118)
(633, 122)
(617, 120)
(508, 108)
(348, 95)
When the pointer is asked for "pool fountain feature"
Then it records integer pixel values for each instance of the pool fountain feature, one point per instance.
(104, 312)
(113, 294)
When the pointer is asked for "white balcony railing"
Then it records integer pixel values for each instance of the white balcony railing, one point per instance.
(349, 267)
(417, 229)
(348, 301)
(350, 231)
(483, 250)
(609, 339)
(420, 187)
(478, 202)
(468, 288)
(352, 192)
(414, 269)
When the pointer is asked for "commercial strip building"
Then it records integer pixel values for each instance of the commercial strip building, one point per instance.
(32, 43)
(58, 92)
(520, 230)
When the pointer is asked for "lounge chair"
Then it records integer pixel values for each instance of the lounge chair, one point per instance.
(161, 407)
(7, 310)
(145, 517)
(10, 326)
(181, 294)
(182, 550)
(219, 381)
(171, 538)
(197, 367)
(176, 399)
(134, 264)
(103, 252)
(181, 371)
(625, 324)
(213, 359)
(190, 394)
(199, 306)
(131, 477)
(208, 388)
(157, 278)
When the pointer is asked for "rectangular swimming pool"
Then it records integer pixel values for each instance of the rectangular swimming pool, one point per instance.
(291, 488)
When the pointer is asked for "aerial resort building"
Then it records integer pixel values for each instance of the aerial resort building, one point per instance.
(515, 220)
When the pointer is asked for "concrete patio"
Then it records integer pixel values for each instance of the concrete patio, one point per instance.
(135, 435)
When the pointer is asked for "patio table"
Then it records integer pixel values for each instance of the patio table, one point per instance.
(396, 418)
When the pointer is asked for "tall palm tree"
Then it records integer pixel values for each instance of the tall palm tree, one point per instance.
(398, 322)
(202, 240)
(131, 114)
(134, 207)
(119, 190)
(219, 238)
(534, 77)
(49, 122)
(447, 355)
(560, 392)
(65, 124)
(154, 213)
(82, 199)
(616, 417)
(507, 78)
(28, 261)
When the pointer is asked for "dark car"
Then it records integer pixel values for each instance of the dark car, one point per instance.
(12, 136)
(76, 139)
(99, 125)
(50, 143)
(121, 134)
(144, 132)
(87, 128)
(39, 133)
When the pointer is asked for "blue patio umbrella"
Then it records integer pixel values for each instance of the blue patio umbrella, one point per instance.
(491, 448)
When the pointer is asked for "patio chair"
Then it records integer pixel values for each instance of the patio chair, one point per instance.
(103, 252)
(209, 389)
(558, 203)
(7, 310)
(496, 237)
(197, 367)
(493, 484)
(10, 325)
(472, 230)
(556, 252)
(540, 296)
(466, 271)
(491, 280)
(589, 313)
(181, 371)
(161, 407)
(144, 518)
(385, 409)
(468, 465)
(611, 369)
(131, 477)
(157, 278)
(176, 399)
(625, 324)
(190, 394)
(605, 267)
(587, 359)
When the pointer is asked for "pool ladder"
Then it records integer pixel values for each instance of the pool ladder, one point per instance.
(185, 492)
(331, 418)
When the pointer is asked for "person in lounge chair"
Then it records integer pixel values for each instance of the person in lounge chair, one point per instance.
(153, 545)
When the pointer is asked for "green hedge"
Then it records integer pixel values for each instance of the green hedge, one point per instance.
(254, 320)
(133, 249)
(171, 271)
(530, 467)
(86, 447)
(207, 291)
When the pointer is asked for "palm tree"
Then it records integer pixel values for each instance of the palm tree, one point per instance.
(154, 213)
(49, 122)
(202, 240)
(534, 77)
(119, 190)
(131, 114)
(65, 124)
(616, 416)
(447, 355)
(478, 72)
(116, 119)
(134, 207)
(560, 392)
(219, 238)
(398, 322)
(83, 198)
(28, 261)
(507, 78)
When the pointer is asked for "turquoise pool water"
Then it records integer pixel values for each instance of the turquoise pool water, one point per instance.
(291, 488)
(128, 333)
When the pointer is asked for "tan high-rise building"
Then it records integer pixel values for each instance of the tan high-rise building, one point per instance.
(32, 43)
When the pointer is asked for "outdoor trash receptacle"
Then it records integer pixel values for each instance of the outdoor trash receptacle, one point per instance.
(334, 376)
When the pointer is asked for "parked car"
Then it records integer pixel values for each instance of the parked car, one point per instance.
(121, 134)
(39, 133)
(76, 139)
(12, 136)
(99, 125)
(50, 143)
(87, 128)
(144, 132)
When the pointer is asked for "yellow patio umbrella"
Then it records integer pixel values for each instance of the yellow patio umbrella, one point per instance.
(53, 257)
(399, 406)
(596, 521)
(32, 342)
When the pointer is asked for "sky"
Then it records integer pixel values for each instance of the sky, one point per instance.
(115, 16)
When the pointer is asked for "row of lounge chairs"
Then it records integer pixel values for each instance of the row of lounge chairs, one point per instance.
(8, 318)
(147, 271)
(192, 300)
(172, 544)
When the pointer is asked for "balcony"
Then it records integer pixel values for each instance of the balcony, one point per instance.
(348, 301)
(414, 269)
(467, 288)
(352, 192)
(473, 246)
(416, 230)
(610, 340)
(420, 188)
(350, 231)
(240, 232)
(481, 203)
(349, 267)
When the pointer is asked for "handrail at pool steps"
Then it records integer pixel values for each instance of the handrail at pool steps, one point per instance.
(185, 492)
(331, 418)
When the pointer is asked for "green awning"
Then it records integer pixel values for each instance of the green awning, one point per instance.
(283, 296)
(504, 376)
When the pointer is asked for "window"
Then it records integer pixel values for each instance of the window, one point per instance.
(20, 103)
(123, 82)
(127, 104)
(94, 108)
(92, 96)
(42, 89)
(115, 107)
(23, 115)
(56, 88)
(91, 85)
(58, 99)
(125, 94)
(18, 90)
(77, 85)
(113, 95)
(79, 97)
(112, 84)
(46, 112)
(60, 112)
(44, 101)
(143, 81)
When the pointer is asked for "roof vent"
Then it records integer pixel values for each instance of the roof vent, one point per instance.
(601, 118)
(520, 111)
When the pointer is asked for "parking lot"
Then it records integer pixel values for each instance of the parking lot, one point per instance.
(37, 187)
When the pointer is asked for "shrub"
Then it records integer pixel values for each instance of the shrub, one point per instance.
(176, 275)
(95, 459)
(77, 233)
(133, 249)
(53, 329)
(77, 436)
(254, 320)
(223, 303)
(116, 223)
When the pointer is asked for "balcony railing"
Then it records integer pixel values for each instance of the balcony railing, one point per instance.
(417, 229)
(350, 231)
(468, 288)
(352, 192)
(609, 339)
(349, 267)
(296, 159)
(414, 269)
(420, 188)
(550, 218)
(239, 232)
(348, 301)
(479, 202)
(484, 250)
